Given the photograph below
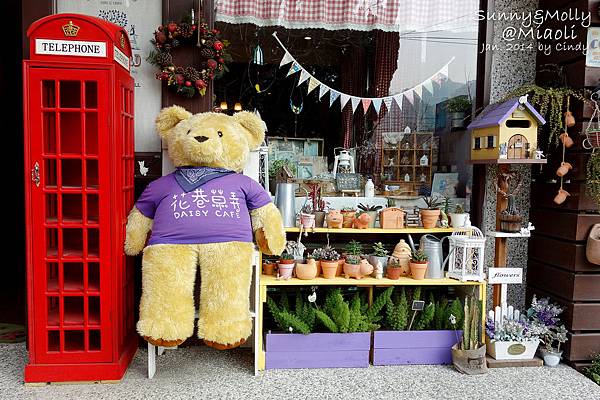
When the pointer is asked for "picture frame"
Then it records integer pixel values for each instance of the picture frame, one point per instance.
(444, 184)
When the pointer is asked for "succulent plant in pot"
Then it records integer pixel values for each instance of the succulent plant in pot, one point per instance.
(372, 211)
(285, 267)
(380, 254)
(418, 264)
(431, 213)
(394, 269)
(329, 262)
(348, 214)
(307, 218)
(459, 217)
(362, 220)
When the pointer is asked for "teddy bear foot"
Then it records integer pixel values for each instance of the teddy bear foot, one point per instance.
(220, 346)
(163, 342)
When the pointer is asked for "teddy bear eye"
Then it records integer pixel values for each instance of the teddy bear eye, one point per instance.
(220, 133)
(189, 131)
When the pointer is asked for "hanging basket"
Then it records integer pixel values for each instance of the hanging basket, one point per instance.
(592, 130)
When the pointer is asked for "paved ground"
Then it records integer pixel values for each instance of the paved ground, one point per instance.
(201, 373)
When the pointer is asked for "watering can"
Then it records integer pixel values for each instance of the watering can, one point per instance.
(432, 247)
(285, 200)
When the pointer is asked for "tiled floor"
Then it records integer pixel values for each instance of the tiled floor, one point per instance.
(202, 373)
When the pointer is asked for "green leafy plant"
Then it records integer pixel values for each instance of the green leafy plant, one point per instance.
(425, 319)
(286, 256)
(459, 104)
(472, 318)
(351, 259)
(419, 256)
(301, 319)
(397, 310)
(593, 371)
(367, 207)
(433, 202)
(456, 311)
(278, 165)
(339, 316)
(593, 176)
(379, 250)
(307, 209)
(459, 209)
(354, 248)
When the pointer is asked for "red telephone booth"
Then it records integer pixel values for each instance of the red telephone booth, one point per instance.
(79, 158)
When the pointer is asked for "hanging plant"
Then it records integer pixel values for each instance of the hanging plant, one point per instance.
(189, 80)
(593, 176)
(550, 103)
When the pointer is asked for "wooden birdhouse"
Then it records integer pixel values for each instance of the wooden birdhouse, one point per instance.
(505, 132)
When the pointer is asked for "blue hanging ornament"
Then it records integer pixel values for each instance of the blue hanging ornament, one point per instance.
(257, 56)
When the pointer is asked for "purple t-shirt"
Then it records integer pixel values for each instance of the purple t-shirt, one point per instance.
(218, 211)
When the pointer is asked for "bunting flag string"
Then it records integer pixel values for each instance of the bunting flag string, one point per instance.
(418, 90)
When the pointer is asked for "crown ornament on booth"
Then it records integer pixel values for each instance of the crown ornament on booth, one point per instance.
(365, 102)
(70, 29)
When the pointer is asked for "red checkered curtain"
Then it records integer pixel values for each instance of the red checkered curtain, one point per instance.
(354, 82)
(386, 60)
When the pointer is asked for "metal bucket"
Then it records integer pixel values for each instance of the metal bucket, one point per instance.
(432, 247)
(285, 198)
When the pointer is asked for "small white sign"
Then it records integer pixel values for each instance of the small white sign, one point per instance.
(505, 275)
(121, 58)
(70, 48)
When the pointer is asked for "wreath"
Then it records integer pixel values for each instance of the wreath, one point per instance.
(188, 80)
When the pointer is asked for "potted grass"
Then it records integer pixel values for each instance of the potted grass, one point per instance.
(430, 214)
(418, 264)
(285, 266)
(380, 254)
(334, 334)
(413, 336)
(468, 354)
(372, 211)
(329, 262)
(459, 217)
(352, 263)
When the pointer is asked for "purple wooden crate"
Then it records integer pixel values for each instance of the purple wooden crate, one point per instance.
(318, 350)
(413, 347)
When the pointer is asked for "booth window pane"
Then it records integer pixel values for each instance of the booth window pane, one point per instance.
(49, 133)
(72, 208)
(70, 132)
(73, 310)
(91, 94)
(53, 340)
(70, 94)
(71, 173)
(91, 133)
(48, 94)
(74, 341)
(73, 276)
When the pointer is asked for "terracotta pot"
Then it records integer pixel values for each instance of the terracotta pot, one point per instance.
(362, 221)
(563, 169)
(285, 270)
(391, 218)
(334, 219)
(358, 271)
(569, 119)
(592, 250)
(319, 218)
(373, 215)
(429, 218)
(418, 269)
(319, 270)
(329, 269)
(348, 218)
(566, 139)
(340, 267)
(269, 268)
(393, 272)
(308, 270)
(561, 196)
(307, 220)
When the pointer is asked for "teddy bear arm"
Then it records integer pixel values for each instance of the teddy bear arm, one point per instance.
(268, 229)
(138, 226)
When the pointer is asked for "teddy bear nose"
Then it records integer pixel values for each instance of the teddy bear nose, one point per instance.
(201, 138)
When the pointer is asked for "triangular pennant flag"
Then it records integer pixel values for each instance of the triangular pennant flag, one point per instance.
(333, 95)
(409, 94)
(366, 103)
(293, 69)
(418, 90)
(377, 105)
(287, 58)
(304, 75)
(444, 71)
(355, 101)
(322, 90)
(428, 85)
(388, 103)
(398, 99)
(313, 83)
(343, 100)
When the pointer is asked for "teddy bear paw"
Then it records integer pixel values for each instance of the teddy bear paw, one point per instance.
(163, 342)
(220, 346)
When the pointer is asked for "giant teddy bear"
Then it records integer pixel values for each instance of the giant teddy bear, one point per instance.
(204, 214)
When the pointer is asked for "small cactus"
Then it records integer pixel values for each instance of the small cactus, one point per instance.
(470, 340)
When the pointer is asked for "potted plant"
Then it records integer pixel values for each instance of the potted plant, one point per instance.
(307, 218)
(334, 219)
(416, 337)
(329, 262)
(318, 204)
(318, 254)
(344, 339)
(511, 219)
(468, 354)
(544, 316)
(418, 264)
(348, 215)
(307, 270)
(269, 267)
(372, 211)
(459, 217)
(362, 220)
(430, 214)
(380, 254)
(394, 269)
(352, 262)
(459, 108)
(285, 266)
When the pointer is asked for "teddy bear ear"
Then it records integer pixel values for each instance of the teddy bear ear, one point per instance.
(254, 126)
(169, 117)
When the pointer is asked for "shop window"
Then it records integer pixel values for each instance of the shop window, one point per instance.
(477, 143)
(491, 142)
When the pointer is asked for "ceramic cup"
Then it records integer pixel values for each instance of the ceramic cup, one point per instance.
(566, 139)
(563, 169)
(561, 196)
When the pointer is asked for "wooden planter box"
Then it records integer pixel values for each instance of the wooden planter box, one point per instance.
(413, 347)
(511, 350)
(318, 350)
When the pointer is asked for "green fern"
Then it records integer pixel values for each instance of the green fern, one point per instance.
(456, 309)
(397, 312)
(426, 317)
(326, 321)
(373, 313)
(439, 321)
(292, 321)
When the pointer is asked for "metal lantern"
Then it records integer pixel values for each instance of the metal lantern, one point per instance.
(466, 257)
(343, 162)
